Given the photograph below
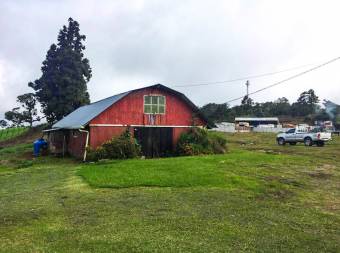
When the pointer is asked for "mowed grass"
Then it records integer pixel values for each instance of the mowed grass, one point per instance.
(238, 169)
(259, 197)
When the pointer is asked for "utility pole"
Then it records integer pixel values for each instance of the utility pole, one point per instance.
(247, 84)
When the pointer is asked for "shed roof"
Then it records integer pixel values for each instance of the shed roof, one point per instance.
(256, 119)
(83, 115)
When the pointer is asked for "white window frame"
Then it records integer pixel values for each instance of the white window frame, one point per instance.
(154, 95)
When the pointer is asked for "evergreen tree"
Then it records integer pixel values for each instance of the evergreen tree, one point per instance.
(215, 112)
(281, 107)
(62, 88)
(306, 104)
(247, 106)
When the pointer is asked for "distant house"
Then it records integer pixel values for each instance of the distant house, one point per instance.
(255, 122)
(247, 124)
(155, 115)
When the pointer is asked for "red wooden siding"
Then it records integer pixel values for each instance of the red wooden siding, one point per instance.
(73, 141)
(177, 133)
(98, 135)
(130, 111)
(76, 142)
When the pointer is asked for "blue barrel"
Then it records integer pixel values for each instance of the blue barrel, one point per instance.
(38, 145)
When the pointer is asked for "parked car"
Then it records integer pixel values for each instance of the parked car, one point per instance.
(292, 136)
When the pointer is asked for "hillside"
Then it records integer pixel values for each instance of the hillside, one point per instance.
(24, 137)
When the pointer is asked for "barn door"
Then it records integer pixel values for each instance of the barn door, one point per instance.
(155, 141)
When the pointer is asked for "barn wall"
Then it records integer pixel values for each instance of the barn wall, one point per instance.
(177, 133)
(100, 134)
(55, 142)
(76, 143)
(130, 111)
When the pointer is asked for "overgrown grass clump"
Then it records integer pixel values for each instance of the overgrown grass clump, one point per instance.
(122, 147)
(9, 133)
(199, 141)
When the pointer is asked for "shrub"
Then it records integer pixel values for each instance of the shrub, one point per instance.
(199, 141)
(122, 147)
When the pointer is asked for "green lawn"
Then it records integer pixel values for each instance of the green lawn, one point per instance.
(257, 198)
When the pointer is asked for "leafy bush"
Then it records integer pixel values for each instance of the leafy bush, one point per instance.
(122, 147)
(199, 141)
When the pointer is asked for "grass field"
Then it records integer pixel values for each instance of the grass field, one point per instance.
(259, 197)
(8, 133)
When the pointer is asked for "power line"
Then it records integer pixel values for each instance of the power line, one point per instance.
(238, 79)
(288, 79)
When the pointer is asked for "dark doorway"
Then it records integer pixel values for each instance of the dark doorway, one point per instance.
(155, 141)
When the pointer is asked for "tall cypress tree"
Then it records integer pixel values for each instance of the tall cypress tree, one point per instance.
(62, 88)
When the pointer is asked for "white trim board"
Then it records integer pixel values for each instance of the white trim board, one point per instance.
(122, 125)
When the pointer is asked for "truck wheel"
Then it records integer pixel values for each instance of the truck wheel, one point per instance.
(308, 141)
(292, 143)
(320, 143)
(281, 141)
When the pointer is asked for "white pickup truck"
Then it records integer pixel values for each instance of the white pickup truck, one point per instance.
(293, 136)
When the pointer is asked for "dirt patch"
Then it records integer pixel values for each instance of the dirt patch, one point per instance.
(271, 152)
(282, 194)
(320, 174)
(324, 172)
(278, 194)
(333, 206)
(244, 143)
(283, 180)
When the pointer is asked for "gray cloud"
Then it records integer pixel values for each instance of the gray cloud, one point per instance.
(136, 43)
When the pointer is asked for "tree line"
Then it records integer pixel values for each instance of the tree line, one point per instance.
(61, 88)
(306, 107)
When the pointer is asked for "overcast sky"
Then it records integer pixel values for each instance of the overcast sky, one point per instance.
(135, 43)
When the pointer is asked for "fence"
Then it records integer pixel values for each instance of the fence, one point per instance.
(230, 128)
(270, 129)
(224, 127)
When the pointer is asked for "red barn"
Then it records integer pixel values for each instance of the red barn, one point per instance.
(156, 116)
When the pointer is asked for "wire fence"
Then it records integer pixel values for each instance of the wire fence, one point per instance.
(9, 133)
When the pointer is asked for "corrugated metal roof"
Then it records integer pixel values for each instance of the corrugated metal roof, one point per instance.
(257, 119)
(81, 116)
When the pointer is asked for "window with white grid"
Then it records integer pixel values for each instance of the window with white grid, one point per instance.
(154, 104)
